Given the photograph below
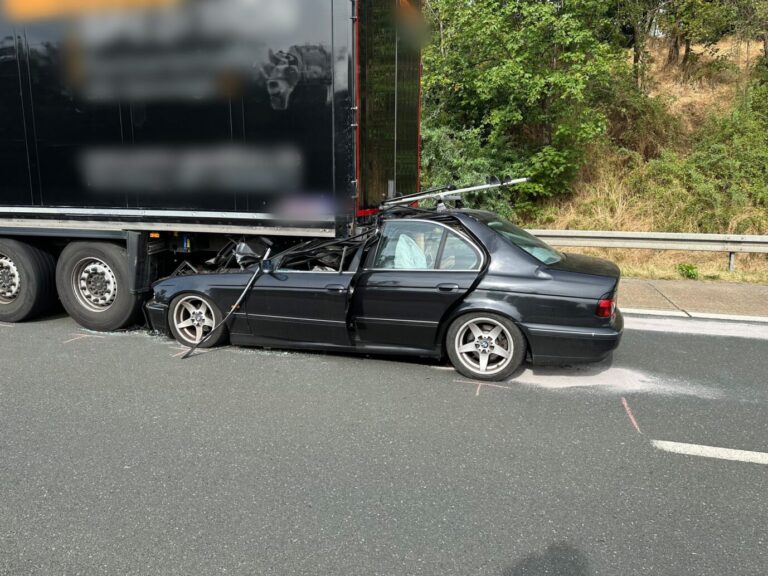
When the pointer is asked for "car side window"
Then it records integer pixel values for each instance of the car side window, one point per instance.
(409, 246)
(458, 254)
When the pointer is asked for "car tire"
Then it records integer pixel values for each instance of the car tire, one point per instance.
(93, 280)
(485, 346)
(27, 285)
(191, 318)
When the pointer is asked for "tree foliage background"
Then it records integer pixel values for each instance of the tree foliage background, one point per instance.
(538, 87)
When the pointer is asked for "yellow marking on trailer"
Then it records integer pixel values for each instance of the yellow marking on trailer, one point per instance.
(43, 9)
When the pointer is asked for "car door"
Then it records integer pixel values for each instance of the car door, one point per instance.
(419, 270)
(295, 307)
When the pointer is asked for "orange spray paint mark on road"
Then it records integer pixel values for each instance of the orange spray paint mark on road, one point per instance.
(628, 410)
(80, 337)
(481, 384)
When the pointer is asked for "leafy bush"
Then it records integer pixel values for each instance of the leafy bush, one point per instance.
(449, 155)
(515, 88)
(545, 89)
(722, 185)
(637, 122)
(688, 271)
(760, 70)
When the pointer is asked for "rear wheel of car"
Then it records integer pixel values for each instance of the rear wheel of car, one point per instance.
(27, 287)
(192, 317)
(485, 346)
(93, 283)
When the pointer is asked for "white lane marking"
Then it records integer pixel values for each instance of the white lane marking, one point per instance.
(698, 327)
(649, 312)
(734, 317)
(711, 452)
(672, 313)
(6, 325)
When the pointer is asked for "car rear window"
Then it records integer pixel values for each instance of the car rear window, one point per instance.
(458, 254)
(539, 249)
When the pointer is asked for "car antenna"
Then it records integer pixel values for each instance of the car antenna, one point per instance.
(447, 192)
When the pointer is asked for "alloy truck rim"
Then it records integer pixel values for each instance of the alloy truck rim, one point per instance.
(193, 319)
(10, 280)
(484, 346)
(94, 284)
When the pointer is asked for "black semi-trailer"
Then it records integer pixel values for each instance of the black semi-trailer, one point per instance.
(136, 134)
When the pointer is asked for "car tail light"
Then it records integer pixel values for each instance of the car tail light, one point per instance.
(606, 308)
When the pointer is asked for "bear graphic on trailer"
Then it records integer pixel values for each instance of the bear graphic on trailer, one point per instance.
(300, 73)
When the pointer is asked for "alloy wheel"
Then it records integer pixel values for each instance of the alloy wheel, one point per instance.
(193, 319)
(484, 346)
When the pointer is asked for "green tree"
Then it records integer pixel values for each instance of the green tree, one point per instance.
(515, 87)
(639, 18)
(686, 22)
(751, 21)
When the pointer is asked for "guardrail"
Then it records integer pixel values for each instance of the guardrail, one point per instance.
(730, 243)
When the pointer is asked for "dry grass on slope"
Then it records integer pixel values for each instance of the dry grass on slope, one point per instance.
(666, 264)
(604, 201)
(605, 198)
(709, 84)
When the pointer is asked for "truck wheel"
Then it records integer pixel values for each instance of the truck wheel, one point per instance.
(27, 287)
(192, 317)
(93, 283)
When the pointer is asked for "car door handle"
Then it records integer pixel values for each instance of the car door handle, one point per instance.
(447, 287)
(335, 288)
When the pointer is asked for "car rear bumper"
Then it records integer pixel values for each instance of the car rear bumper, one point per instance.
(157, 314)
(556, 344)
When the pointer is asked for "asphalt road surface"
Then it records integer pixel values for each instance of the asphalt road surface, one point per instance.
(119, 458)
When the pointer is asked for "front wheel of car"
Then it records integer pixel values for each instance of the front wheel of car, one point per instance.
(485, 346)
(192, 318)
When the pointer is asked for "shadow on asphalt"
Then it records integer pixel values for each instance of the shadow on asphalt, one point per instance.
(56, 314)
(559, 559)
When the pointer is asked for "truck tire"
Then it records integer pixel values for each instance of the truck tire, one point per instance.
(27, 286)
(93, 280)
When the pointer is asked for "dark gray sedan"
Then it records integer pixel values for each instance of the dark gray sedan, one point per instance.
(459, 283)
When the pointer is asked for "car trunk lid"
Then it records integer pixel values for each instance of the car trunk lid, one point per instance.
(587, 265)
